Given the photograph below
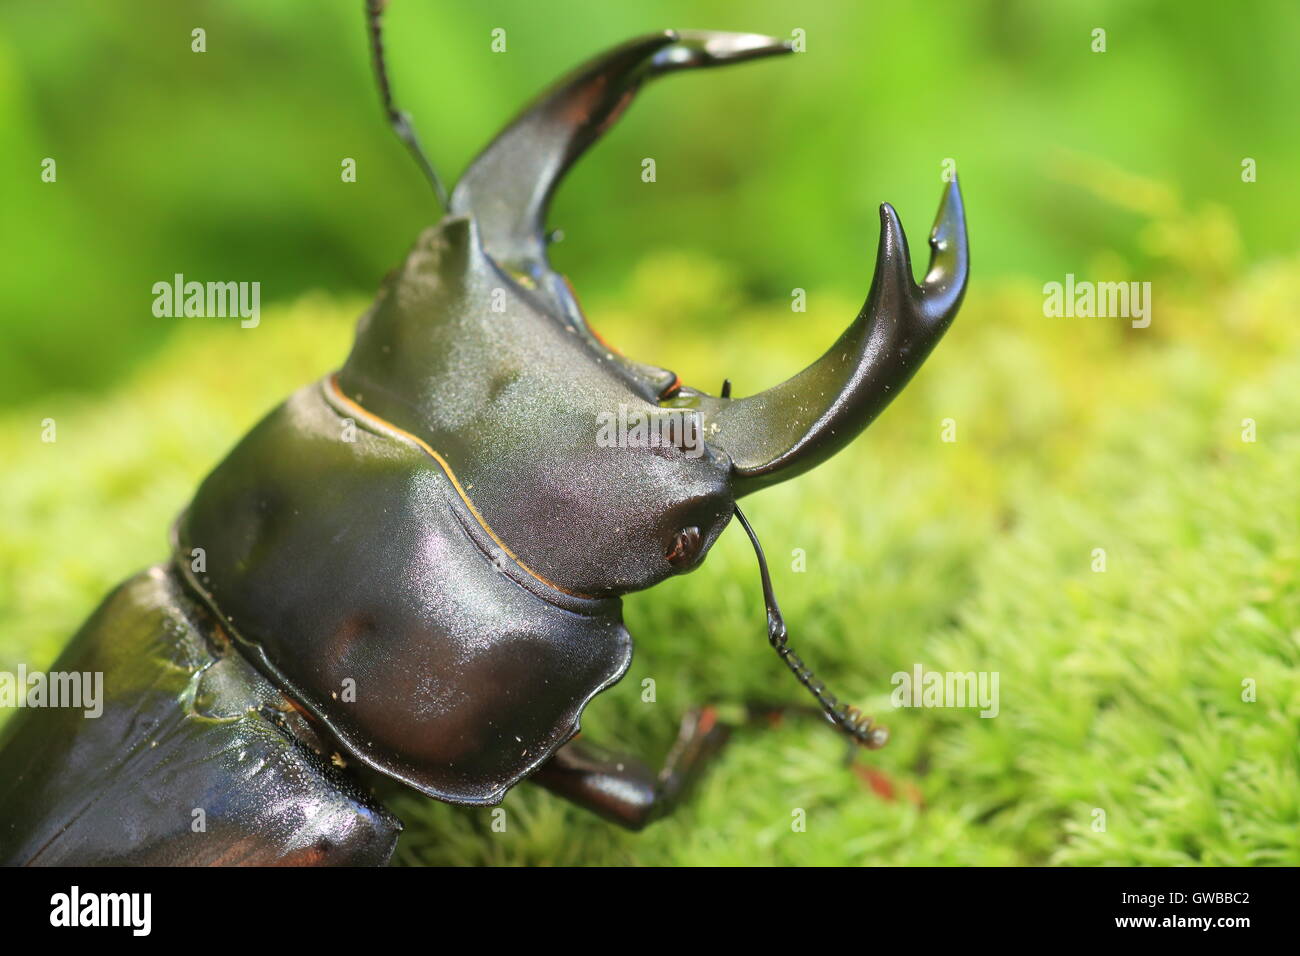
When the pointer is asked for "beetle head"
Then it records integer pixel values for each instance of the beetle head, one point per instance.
(599, 473)
(560, 446)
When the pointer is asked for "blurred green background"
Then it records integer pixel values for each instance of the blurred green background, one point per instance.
(226, 164)
(1121, 690)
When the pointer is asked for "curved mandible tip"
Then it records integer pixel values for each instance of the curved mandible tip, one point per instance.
(791, 427)
(945, 282)
(509, 186)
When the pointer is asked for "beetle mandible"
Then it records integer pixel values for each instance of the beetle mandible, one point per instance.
(438, 598)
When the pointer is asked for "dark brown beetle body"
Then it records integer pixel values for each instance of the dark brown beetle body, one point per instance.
(415, 564)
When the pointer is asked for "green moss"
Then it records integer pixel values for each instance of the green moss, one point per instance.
(1121, 691)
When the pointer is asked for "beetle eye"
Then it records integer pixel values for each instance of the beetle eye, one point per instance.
(685, 547)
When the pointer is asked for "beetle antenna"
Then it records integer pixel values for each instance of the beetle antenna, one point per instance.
(846, 718)
(397, 118)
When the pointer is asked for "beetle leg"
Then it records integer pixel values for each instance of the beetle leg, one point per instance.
(624, 789)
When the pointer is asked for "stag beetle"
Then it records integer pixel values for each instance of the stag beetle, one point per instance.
(413, 568)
